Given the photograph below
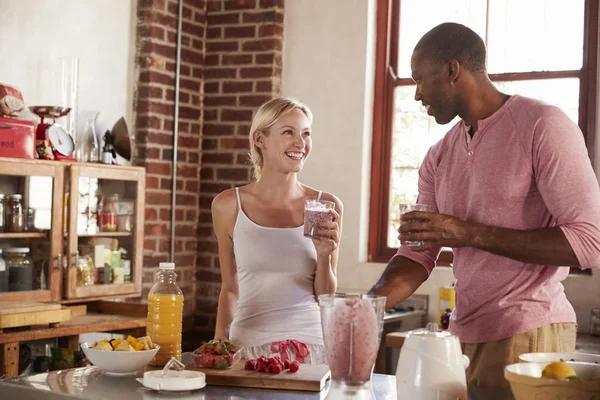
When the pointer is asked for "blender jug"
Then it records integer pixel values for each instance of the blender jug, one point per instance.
(352, 326)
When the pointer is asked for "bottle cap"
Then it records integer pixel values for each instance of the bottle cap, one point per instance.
(166, 265)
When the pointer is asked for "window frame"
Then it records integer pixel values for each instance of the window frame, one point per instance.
(386, 63)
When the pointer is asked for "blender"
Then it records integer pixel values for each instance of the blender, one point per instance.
(352, 327)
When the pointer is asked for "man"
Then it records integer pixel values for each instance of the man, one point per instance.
(516, 198)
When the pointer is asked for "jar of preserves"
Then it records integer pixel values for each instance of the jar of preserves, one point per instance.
(19, 268)
(15, 221)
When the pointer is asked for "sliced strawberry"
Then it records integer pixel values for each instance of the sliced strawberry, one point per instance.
(294, 366)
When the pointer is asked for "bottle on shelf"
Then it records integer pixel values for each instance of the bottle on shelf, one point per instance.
(165, 314)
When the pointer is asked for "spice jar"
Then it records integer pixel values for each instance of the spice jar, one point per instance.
(20, 269)
(15, 221)
(2, 211)
(85, 271)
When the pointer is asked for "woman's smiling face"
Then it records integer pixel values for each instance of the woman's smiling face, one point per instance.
(288, 143)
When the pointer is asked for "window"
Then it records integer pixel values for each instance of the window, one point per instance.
(546, 49)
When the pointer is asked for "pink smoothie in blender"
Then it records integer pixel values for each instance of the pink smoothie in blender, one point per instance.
(352, 326)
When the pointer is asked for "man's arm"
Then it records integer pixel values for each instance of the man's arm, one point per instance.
(547, 246)
(400, 279)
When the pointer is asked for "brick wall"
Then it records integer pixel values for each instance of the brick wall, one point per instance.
(231, 64)
(244, 40)
(155, 68)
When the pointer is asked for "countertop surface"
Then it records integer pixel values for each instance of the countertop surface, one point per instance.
(90, 383)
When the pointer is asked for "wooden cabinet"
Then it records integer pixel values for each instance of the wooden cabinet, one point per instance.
(86, 240)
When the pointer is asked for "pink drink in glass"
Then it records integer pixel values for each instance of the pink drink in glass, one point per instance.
(315, 213)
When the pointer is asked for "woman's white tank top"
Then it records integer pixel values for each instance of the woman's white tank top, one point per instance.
(276, 270)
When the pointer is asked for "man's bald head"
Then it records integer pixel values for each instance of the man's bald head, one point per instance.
(451, 41)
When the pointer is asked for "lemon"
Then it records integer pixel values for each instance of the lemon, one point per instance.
(558, 370)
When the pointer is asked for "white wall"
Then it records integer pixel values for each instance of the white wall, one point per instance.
(329, 64)
(36, 33)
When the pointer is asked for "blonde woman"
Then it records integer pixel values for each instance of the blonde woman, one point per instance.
(271, 274)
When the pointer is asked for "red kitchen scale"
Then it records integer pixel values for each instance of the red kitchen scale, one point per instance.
(53, 142)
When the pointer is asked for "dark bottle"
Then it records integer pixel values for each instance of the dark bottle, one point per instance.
(445, 319)
(108, 150)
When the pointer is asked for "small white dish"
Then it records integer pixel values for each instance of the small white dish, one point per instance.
(173, 381)
(556, 357)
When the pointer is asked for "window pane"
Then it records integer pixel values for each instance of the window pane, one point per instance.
(563, 93)
(419, 16)
(414, 132)
(535, 35)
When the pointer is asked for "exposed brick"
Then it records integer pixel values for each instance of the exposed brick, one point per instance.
(214, 32)
(207, 174)
(158, 168)
(213, 101)
(260, 16)
(158, 198)
(219, 46)
(217, 130)
(151, 183)
(223, 19)
(236, 115)
(253, 101)
(271, 3)
(264, 86)
(239, 4)
(214, 73)
(270, 30)
(236, 59)
(156, 77)
(242, 130)
(215, 188)
(233, 174)
(237, 87)
(218, 158)
(242, 159)
(214, 5)
(240, 32)
(212, 59)
(263, 44)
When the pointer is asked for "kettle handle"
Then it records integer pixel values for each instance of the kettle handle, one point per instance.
(466, 361)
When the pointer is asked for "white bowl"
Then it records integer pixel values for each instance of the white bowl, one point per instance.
(555, 357)
(526, 382)
(118, 362)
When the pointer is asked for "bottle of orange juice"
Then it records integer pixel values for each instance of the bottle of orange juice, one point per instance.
(165, 313)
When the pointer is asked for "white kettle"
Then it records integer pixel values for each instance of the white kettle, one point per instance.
(431, 366)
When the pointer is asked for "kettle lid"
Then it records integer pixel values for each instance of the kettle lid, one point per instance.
(432, 331)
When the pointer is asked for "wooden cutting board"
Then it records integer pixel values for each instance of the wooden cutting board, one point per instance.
(308, 378)
(15, 307)
(15, 314)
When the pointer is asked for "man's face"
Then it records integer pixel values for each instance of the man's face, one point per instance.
(434, 89)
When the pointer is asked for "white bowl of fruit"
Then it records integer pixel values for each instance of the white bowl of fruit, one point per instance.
(120, 356)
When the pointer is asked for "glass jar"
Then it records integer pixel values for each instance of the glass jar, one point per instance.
(15, 221)
(595, 322)
(30, 220)
(20, 269)
(85, 271)
(2, 217)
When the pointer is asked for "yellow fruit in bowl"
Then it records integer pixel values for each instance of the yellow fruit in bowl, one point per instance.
(558, 370)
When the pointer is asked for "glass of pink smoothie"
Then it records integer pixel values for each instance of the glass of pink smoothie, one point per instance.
(315, 213)
(352, 326)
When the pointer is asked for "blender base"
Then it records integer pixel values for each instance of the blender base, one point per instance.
(339, 390)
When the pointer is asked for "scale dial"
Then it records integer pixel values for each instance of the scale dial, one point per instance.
(61, 141)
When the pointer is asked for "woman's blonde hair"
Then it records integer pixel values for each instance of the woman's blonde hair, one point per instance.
(267, 115)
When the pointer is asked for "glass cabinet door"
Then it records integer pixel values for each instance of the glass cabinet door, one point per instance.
(105, 230)
(31, 230)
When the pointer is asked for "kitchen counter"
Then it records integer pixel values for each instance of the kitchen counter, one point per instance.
(90, 383)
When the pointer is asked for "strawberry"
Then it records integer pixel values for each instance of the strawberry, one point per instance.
(249, 365)
(260, 366)
(286, 364)
(263, 360)
(294, 366)
(275, 369)
(207, 360)
(221, 363)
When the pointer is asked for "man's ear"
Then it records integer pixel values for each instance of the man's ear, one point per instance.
(453, 70)
(259, 139)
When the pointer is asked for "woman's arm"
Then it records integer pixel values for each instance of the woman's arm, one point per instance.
(327, 250)
(223, 215)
